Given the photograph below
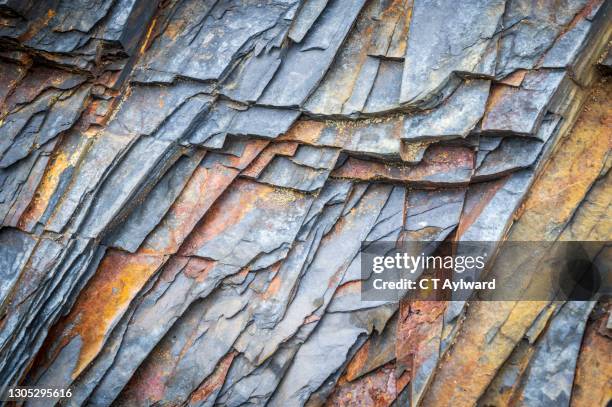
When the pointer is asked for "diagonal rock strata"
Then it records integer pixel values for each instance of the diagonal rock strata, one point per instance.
(185, 186)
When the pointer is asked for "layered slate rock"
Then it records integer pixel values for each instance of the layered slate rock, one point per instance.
(185, 187)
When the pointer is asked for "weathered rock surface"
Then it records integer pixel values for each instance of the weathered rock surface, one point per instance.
(185, 186)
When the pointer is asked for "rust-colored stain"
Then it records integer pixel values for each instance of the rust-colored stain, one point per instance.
(401, 33)
(498, 94)
(358, 361)
(264, 158)
(148, 385)
(474, 358)
(198, 268)
(304, 131)
(38, 80)
(60, 162)
(377, 389)
(311, 318)
(214, 381)
(479, 198)
(503, 393)
(349, 288)
(252, 150)
(118, 279)
(233, 206)
(275, 285)
(36, 26)
(419, 326)
(202, 190)
(387, 24)
(437, 160)
(227, 211)
(222, 198)
(594, 389)
(514, 79)
(570, 173)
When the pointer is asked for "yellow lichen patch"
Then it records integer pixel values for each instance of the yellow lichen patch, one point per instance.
(412, 151)
(284, 196)
(438, 160)
(118, 279)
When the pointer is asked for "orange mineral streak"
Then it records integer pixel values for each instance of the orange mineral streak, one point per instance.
(357, 363)
(377, 389)
(198, 268)
(477, 202)
(274, 286)
(419, 326)
(306, 131)
(514, 79)
(36, 26)
(266, 156)
(59, 163)
(44, 191)
(232, 207)
(214, 381)
(594, 389)
(201, 191)
(570, 173)
(437, 160)
(101, 304)
(147, 39)
(499, 93)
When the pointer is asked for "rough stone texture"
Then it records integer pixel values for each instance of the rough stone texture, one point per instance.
(185, 186)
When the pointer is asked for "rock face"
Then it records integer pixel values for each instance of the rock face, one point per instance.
(185, 186)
